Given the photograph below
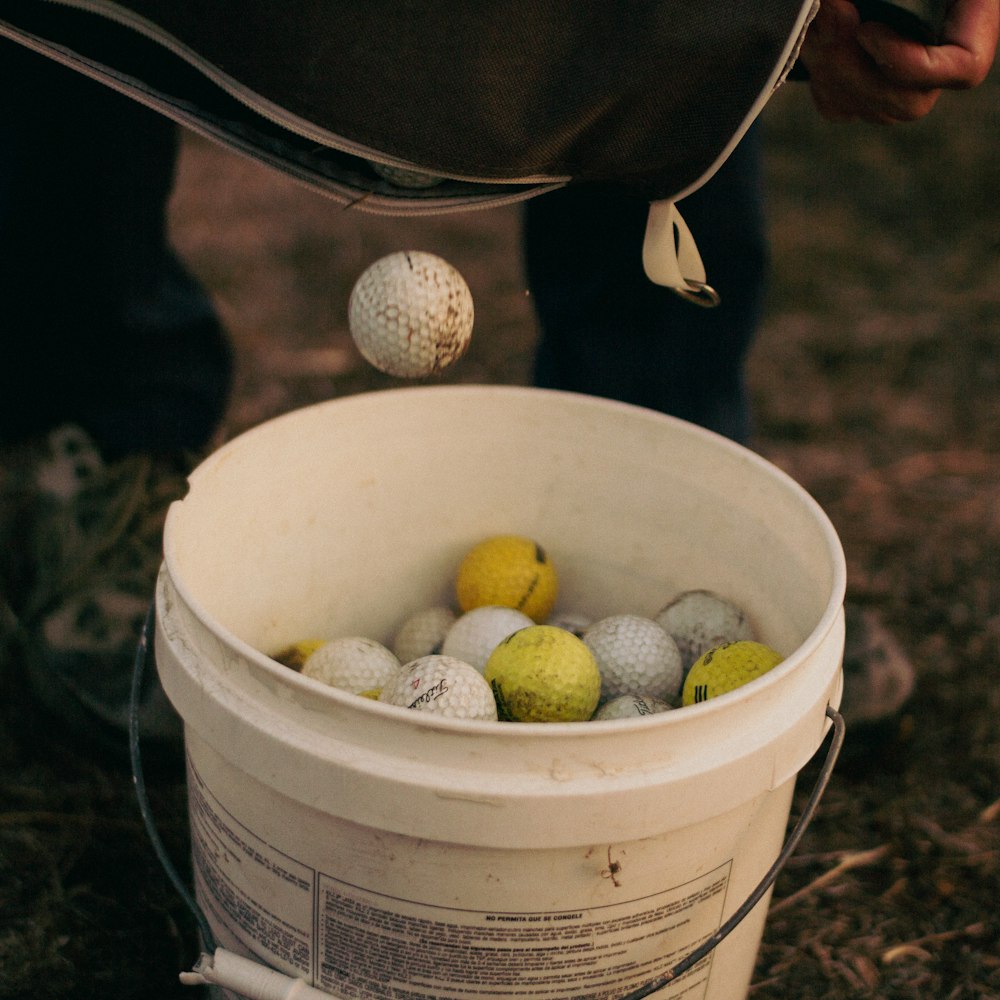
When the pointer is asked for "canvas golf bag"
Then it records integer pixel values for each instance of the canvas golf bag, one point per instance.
(414, 106)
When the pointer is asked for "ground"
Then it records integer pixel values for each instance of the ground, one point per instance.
(876, 381)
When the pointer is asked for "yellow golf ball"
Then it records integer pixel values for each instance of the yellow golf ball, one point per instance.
(295, 656)
(544, 674)
(510, 571)
(726, 668)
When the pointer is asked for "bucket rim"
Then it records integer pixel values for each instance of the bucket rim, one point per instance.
(430, 722)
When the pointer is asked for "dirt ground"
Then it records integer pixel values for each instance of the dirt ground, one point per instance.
(876, 381)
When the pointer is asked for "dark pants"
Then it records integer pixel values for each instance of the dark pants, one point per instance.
(100, 323)
(606, 330)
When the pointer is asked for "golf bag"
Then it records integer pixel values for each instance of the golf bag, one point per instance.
(412, 106)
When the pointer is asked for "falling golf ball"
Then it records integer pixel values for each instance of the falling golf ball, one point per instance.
(441, 685)
(635, 656)
(411, 314)
(544, 674)
(726, 668)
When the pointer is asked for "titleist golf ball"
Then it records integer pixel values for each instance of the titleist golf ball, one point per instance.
(441, 685)
(411, 314)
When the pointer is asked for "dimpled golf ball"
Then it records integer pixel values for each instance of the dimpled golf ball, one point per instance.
(635, 656)
(478, 632)
(411, 314)
(441, 685)
(422, 633)
(352, 663)
(726, 668)
(700, 620)
(511, 571)
(544, 674)
(631, 706)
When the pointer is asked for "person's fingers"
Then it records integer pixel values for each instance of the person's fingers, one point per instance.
(962, 59)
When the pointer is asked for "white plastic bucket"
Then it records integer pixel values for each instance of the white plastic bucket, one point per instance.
(376, 852)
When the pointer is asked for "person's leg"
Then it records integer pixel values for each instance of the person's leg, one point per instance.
(116, 368)
(607, 330)
(103, 326)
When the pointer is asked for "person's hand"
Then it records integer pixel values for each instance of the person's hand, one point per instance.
(866, 71)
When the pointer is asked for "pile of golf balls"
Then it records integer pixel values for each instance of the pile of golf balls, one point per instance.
(504, 652)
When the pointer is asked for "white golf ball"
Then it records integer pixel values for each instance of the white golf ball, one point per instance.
(352, 663)
(422, 633)
(444, 686)
(700, 620)
(635, 656)
(478, 632)
(631, 706)
(411, 314)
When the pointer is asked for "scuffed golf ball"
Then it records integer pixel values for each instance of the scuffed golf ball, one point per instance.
(726, 668)
(478, 632)
(352, 663)
(511, 571)
(422, 633)
(411, 314)
(441, 685)
(544, 674)
(635, 656)
(700, 620)
(631, 706)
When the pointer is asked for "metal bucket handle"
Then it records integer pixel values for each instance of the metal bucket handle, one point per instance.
(219, 967)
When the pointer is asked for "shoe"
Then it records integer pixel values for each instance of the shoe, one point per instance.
(89, 543)
(879, 680)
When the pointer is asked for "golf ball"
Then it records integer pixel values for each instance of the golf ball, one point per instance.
(544, 674)
(422, 633)
(635, 656)
(631, 706)
(507, 570)
(478, 632)
(441, 685)
(352, 663)
(726, 668)
(411, 314)
(700, 620)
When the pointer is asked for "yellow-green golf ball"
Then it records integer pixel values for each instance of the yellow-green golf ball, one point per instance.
(726, 668)
(510, 571)
(544, 674)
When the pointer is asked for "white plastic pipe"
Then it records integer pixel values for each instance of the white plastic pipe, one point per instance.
(249, 978)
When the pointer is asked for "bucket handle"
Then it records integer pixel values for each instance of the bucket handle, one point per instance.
(219, 967)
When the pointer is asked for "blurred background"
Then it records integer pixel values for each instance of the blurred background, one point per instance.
(876, 384)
